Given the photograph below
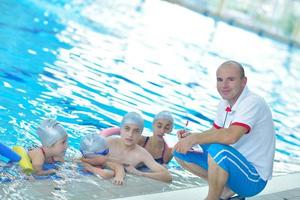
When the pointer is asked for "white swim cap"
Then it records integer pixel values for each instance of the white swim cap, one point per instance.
(50, 131)
(92, 145)
(133, 118)
(164, 115)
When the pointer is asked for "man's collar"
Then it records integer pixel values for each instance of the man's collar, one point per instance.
(242, 96)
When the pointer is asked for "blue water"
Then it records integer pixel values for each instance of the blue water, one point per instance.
(87, 63)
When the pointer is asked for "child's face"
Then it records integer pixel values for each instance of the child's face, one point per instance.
(60, 146)
(162, 126)
(130, 134)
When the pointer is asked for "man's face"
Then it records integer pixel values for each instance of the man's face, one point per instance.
(130, 134)
(229, 82)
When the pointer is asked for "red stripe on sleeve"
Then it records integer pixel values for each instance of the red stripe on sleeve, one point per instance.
(243, 125)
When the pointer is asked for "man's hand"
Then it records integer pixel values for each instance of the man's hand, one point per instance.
(184, 144)
(183, 133)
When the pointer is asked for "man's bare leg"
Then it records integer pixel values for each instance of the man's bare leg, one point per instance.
(198, 171)
(217, 178)
(193, 168)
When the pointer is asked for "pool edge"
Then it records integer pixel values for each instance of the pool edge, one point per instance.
(276, 185)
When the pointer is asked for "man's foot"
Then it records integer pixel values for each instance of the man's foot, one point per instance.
(227, 193)
(235, 198)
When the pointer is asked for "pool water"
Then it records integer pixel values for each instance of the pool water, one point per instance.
(87, 63)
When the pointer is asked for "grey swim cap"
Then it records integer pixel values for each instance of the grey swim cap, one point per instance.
(92, 145)
(50, 131)
(164, 115)
(133, 118)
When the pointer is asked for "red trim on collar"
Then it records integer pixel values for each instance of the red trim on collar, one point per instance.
(228, 109)
(243, 125)
(216, 126)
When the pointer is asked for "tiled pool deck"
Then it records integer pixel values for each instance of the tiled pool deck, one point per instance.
(280, 188)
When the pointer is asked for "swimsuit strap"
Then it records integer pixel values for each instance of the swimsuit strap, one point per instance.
(43, 151)
(163, 152)
(146, 141)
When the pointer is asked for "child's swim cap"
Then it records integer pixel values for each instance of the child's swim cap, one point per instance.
(164, 115)
(93, 145)
(133, 118)
(50, 131)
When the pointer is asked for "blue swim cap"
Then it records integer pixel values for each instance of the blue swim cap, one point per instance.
(164, 115)
(50, 132)
(133, 118)
(93, 145)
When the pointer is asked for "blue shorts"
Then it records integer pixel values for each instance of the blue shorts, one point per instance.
(243, 178)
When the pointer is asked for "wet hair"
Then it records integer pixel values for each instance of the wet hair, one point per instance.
(93, 144)
(50, 132)
(237, 64)
(164, 115)
(133, 118)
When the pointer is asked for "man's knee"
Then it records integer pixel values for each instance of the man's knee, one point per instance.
(211, 162)
(216, 154)
(216, 151)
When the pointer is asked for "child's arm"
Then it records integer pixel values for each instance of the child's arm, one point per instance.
(38, 159)
(39, 171)
(58, 158)
(157, 171)
(98, 171)
(119, 172)
(168, 155)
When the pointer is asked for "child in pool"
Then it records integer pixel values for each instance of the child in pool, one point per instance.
(54, 144)
(155, 144)
(126, 151)
(95, 151)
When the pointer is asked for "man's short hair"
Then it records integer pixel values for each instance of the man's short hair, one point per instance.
(232, 62)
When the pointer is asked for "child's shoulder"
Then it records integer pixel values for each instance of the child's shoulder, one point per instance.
(140, 150)
(113, 139)
(35, 151)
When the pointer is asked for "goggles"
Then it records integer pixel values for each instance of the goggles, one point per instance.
(100, 153)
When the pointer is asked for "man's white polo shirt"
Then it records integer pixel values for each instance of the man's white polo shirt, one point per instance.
(258, 144)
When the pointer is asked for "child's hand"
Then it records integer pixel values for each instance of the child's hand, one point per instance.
(118, 181)
(52, 171)
(58, 159)
(46, 172)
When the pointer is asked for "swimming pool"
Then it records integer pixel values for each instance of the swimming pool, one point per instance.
(87, 63)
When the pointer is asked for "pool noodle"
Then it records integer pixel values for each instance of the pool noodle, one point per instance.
(25, 162)
(8, 153)
(110, 131)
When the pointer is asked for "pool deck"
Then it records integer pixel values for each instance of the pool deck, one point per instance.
(285, 187)
(279, 188)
